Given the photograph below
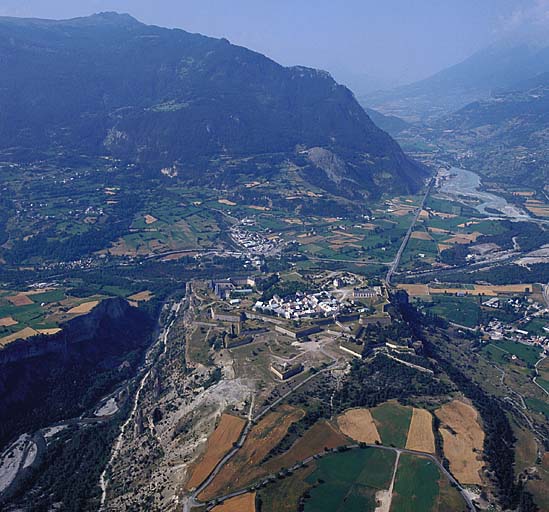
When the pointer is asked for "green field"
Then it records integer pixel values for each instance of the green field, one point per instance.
(393, 421)
(416, 487)
(460, 310)
(541, 406)
(348, 481)
(501, 350)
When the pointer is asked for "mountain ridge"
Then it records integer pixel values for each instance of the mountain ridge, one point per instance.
(110, 85)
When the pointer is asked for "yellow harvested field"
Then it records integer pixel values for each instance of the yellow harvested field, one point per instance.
(421, 235)
(359, 425)
(242, 503)
(49, 332)
(438, 230)
(149, 219)
(219, 443)
(25, 333)
(525, 193)
(424, 214)
(537, 208)
(463, 440)
(292, 221)
(86, 307)
(420, 433)
(415, 289)
(145, 296)
(7, 321)
(443, 247)
(495, 290)
(226, 201)
(257, 207)
(463, 238)
(21, 299)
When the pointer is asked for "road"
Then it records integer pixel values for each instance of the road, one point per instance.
(537, 375)
(191, 501)
(400, 252)
(398, 451)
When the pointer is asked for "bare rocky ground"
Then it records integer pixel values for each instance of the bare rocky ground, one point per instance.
(177, 412)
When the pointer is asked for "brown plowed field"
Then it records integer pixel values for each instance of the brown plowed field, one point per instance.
(245, 467)
(321, 435)
(242, 503)
(21, 299)
(219, 444)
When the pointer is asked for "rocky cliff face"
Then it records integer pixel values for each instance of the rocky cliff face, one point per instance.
(48, 378)
(79, 330)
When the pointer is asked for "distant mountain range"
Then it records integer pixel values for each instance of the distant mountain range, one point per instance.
(506, 135)
(496, 68)
(110, 85)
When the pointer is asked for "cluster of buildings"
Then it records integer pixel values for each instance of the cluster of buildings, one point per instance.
(224, 288)
(300, 305)
(254, 242)
(497, 330)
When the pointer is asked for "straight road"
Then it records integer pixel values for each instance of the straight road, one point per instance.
(396, 261)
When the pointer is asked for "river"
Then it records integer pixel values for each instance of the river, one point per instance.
(463, 184)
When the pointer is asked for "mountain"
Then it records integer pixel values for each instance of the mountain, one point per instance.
(391, 124)
(506, 135)
(108, 85)
(492, 69)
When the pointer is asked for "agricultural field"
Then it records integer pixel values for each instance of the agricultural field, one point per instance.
(243, 503)
(393, 422)
(359, 480)
(359, 425)
(420, 485)
(321, 436)
(459, 310)
(415, 290)
(346, 482)
(463, 440)
(219, 444)
(29, 313)
(502, 351)
(245, 466)
(420, 435)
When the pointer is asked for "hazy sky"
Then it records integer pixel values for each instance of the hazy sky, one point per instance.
(388, 40)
